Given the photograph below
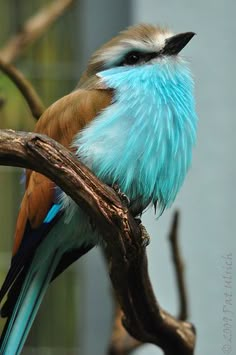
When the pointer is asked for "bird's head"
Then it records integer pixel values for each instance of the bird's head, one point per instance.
(138, 45)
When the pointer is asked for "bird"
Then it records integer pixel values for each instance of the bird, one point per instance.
(132, 121)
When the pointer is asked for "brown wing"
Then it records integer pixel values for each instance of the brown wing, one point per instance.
(61, 121)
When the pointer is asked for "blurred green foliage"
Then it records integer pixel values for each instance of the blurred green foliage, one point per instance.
(51, 66)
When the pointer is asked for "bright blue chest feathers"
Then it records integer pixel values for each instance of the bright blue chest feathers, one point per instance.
(144, 140)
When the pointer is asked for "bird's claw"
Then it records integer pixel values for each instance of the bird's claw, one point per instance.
(123, 197)
(144, 235)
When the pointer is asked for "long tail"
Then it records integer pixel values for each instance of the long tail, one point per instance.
(26, 307)
(45, 253)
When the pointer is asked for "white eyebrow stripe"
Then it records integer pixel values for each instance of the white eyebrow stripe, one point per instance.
(135, 44)
(115, 53)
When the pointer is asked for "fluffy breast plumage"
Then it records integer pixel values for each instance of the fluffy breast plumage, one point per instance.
(144, 140)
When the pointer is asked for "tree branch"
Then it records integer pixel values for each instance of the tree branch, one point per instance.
(33, 28)
(121, 343)
(179, 268)
(27, 90)
(143, 317)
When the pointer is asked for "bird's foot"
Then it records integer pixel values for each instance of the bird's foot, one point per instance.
(144, 235)
(124, 199)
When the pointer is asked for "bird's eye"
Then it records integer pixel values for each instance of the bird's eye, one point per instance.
(132, 58)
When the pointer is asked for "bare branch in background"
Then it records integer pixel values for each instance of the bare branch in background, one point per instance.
(33, 28)
(179, 268)
(143, 318)
(27, 90)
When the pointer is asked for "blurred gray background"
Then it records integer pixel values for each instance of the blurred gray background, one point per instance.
(76, 315)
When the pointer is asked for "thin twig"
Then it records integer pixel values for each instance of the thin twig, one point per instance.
(179, 267)
(27, 90)
(143, 318)
(33, 28)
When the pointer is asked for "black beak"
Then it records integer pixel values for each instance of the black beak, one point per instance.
(175, 44)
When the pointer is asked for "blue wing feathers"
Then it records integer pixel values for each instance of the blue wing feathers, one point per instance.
(55, 209)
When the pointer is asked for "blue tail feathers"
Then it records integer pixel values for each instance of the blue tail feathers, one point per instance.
(26, 307)
(45, 252)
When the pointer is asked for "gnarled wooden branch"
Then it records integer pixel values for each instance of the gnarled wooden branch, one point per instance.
(33, 28)
(143, 317)
(121, 342)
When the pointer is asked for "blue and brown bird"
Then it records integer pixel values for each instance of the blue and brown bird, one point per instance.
(132, 121)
